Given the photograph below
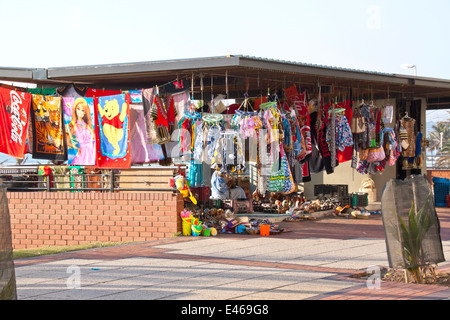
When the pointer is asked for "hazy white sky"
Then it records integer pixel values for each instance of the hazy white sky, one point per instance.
(373, 35)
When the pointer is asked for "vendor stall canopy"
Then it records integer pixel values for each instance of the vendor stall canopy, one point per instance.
(236, 75)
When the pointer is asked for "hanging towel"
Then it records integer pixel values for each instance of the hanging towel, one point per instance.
(141, 150)
(79, 124)
(14, 115)
(48, 129)
(112, 135)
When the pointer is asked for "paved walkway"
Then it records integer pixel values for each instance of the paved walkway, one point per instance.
(313, 260)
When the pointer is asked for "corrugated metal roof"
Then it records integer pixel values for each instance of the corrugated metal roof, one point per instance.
(239, 67)
(313, 65)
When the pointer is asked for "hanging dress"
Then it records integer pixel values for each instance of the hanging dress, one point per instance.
(408, 124)
(163, 115)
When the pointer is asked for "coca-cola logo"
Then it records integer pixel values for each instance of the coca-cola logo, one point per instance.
(17, 124)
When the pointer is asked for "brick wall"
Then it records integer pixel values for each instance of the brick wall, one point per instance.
(40, 219)
(438, 173)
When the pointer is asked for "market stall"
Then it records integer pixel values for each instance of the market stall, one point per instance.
(253, 153)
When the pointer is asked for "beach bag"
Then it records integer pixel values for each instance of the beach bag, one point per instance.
(363, 153)
(289, 184)
(358, 123)
(277, 178)
(376, 154)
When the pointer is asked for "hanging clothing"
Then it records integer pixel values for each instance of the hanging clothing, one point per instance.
(141, 150)
(213, 135)
(198, 142)
(343, 133)
(148, 95)
(347, 154)
(323, 145)
(163, 113)
(316, 162)
(300, 104)
(390, 145)
(409, 125)
(195, 177)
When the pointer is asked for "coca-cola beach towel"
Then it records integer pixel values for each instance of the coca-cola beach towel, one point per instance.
(112, 114)
(14, 114)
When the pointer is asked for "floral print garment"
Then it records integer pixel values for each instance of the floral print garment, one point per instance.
(344, 136)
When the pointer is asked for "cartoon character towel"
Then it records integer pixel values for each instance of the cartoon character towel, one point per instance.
(113, 139)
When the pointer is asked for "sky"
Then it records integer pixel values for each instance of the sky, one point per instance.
(365, 35)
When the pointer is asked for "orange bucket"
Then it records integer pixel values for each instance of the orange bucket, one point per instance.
(264, 229)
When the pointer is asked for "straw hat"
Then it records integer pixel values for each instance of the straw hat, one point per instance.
(244, 221)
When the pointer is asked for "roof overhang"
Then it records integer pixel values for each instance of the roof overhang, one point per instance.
(238, 74)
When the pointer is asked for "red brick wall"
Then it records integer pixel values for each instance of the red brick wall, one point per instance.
(40, 219)
(438, 173)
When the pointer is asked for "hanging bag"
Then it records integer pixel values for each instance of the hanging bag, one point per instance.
(289, 184)
(358, 124)
(376, 155)
(276, 180)
(354, 164)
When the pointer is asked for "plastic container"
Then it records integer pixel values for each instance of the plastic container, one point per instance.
(196, 230)
(186, 226)
(264, 229)
(441, 190)
(360, 199)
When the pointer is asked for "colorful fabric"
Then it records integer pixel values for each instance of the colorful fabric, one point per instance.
(409, 125)
(48, 128)
(347, 154)
(14, 115)
(141, 150)
(136, 96)
(113, 141)
(147, 102)
(300, 105)
(79, 124)
(163, 113)
(343, 133)
(198, 142)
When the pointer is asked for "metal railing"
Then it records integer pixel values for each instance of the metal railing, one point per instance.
(29, 180)
(432, 160)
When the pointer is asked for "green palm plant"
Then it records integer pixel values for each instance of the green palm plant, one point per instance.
(411, 236)
(439, 138)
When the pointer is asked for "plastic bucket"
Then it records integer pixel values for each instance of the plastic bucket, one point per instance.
(206, 232)
(186, 226)
(264, 229)
(196, 230)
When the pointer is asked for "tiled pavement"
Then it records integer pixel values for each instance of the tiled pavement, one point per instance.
(313, 260)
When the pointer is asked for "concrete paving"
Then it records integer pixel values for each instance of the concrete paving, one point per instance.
(226, 267)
